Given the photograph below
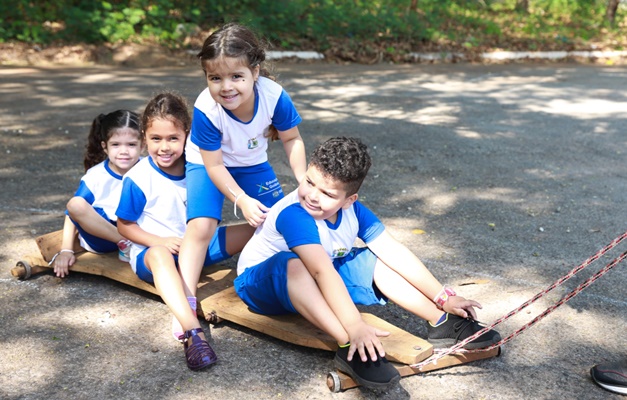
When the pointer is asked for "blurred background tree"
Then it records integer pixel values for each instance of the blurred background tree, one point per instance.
(387, 28)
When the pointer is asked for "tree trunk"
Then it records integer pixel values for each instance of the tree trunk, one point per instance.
(413, 6)
(610, 13)
(522, 5)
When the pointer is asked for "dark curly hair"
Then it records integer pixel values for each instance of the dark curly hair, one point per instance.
(102, 128)
(343, 159)
(237, 41)
(168, 106)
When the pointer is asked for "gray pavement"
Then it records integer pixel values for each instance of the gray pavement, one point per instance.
(501, 178)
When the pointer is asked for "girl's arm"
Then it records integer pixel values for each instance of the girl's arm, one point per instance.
(65, 259)
(363, 337)
(253, 210)
(400, 259)
(295, 151)
(134, 233)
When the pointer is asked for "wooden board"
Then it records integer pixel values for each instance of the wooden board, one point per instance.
(217, 301)
(400, 346)
(106, 265)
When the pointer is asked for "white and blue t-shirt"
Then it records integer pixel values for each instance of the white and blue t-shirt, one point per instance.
(155, 200)
(101, 187)
(243, 144)
(288, 225)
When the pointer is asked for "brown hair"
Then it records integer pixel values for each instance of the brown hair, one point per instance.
(102, 128)
(237, 41)
(169, 106)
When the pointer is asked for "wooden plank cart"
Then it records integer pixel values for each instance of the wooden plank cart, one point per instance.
(218, 301)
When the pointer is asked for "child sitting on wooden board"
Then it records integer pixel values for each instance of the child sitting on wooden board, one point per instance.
(113, 147)
(302, 260)
(152, 214)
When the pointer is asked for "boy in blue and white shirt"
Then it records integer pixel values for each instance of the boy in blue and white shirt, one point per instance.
(302, 260)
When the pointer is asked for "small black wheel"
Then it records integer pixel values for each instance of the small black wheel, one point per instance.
(214, 319)
(333, 382)
(28, 271)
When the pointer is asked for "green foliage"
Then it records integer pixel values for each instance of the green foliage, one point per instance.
(390, 26)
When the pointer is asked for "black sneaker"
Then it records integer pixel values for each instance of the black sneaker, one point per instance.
(611, 376)
(372, 375)
(455, 329)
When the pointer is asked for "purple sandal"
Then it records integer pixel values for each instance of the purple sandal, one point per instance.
(198, 353)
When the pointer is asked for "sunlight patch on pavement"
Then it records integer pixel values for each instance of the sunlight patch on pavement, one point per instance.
(438, 115)
(25, 375)
(468, 134)
(581, 109)
(92, 78)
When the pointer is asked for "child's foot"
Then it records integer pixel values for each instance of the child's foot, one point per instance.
(454, 329)
(373, 375)
(177, 329)
(124, 250)
(611, 376)
(198, 353)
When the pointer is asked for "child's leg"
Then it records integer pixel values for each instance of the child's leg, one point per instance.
(169, 284)
(237, 236)
(160, 262)
(307, 299)
(88, 218)
(443, 330)
(226, 242)
(193, 250)
(401, 292)
(282, 284)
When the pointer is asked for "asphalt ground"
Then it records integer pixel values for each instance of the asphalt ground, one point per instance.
(501, 178)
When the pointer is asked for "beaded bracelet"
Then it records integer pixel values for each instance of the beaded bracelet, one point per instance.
(60, 251)
(443, 295)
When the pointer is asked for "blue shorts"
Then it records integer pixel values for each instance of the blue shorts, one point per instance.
(96, 244)
(206, 201)
(216, 252)
(264, 287)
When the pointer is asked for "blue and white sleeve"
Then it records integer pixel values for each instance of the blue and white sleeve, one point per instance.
(84, 192)
(204, 133)
(297, 234)
(370, 227)
(285, 115)
(132, 201)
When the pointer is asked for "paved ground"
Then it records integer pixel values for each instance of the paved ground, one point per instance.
(515, 174)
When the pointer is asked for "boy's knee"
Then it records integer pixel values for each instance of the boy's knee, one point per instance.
(296, 268)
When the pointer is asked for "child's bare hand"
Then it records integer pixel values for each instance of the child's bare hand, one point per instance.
(364, 339)
(172, 243)
(254, 211)
(62, 263)
(461, 307)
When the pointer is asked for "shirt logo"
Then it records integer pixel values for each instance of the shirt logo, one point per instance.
(341, 252)
(253, 143)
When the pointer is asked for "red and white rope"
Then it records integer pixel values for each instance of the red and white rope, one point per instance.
(457, 348)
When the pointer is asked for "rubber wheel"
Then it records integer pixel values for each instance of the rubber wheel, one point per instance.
(27, 269)
(333, 382)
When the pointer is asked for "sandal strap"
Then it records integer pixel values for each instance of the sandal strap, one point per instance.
(192, 332)
(198, 352)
